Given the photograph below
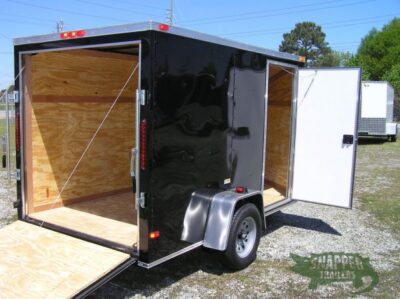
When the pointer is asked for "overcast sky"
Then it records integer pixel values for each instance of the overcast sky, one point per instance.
(260, 23)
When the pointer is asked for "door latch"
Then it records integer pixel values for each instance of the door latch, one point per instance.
(348, 139)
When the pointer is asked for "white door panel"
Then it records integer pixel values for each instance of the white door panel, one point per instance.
(327, 109)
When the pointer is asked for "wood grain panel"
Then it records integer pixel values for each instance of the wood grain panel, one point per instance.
(39, 263)
(27, 134)
(60, 134)
(78, 99)
(278, 128)
(71, 92)
(75, 200)
(78, 73)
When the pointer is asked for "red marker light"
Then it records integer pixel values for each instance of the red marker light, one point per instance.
(17, 132)
(240, 189)
(143, 144)
(64, 35)
(81, 33)
(154, 235)
(73, 34)
(163, 27)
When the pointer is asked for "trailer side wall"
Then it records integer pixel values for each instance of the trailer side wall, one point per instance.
(208, 128)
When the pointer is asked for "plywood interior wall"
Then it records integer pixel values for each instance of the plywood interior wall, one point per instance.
(67, 95)
(278, 127)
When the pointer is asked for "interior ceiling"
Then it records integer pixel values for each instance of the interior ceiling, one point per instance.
(277, 71)
(129, 50)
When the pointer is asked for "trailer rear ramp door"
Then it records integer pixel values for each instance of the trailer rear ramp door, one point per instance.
(40, 263)
(326, 135)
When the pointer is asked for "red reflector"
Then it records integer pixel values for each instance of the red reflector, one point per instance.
(163, 27)
(73, 34)
(154, 235)
(240, 189)
(143, 144)
(17, 133)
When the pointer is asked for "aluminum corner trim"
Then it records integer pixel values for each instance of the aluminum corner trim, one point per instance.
(150, 25)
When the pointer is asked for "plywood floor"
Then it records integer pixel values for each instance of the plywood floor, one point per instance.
(111, 218)
(272, 195)
(39, 263)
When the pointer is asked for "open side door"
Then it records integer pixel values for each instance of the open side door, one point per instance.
(40, 263)
(326, 135)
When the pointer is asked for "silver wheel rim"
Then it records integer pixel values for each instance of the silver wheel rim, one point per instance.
(246, 237)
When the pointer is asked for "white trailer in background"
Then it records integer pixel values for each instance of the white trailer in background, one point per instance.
(376, 117)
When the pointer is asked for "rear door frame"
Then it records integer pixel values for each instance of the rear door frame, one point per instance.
(21, 110)
(276, 206)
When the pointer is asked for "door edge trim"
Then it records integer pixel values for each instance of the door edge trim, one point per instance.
(104, 279)
(171, 256)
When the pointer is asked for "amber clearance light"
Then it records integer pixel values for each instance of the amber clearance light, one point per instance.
(302, 58)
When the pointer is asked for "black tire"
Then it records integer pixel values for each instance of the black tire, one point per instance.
(393, 138)
(232, 258)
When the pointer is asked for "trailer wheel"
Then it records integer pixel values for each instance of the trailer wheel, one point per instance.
(393, 138)
(244, 237)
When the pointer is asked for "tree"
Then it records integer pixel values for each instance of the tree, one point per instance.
(334, 58)
(379, 54)
(306, 39)
(379, 57)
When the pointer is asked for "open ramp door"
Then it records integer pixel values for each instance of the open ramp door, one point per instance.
(326, 135)
(39, 263)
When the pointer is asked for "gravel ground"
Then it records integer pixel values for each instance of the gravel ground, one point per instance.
(7, 196)
(301, 229)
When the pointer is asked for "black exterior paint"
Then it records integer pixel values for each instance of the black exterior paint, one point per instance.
(199, 134)
(190, 137)
(205, 123)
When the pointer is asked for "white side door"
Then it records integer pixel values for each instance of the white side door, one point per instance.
(326, 135)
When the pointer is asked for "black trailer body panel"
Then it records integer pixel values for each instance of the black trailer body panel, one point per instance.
(190, 138)
(248, 117)
(208, 122)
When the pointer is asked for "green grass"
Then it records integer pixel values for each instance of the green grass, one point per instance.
(379, 167)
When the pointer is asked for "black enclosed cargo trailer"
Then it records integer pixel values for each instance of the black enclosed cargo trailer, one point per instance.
(138, 143)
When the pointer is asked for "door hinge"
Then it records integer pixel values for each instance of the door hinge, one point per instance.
(141, 201)
(141, 96)
(18, 174)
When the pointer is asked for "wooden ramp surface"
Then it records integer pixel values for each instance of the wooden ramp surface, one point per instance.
(111, 218)
(39, 263)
